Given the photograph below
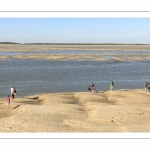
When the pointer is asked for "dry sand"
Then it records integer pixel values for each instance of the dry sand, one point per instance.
(109, 111)
(31, 47)
(28, 49)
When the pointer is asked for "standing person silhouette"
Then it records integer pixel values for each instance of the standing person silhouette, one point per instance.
(14, 92)
(146, 86)
(89, 88)
(111, 86)
(93, 87)
(8, 102)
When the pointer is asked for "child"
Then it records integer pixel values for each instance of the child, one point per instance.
(8, 102)
(93, 87)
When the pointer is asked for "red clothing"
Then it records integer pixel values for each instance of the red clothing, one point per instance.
(8, 99)
(93, 87)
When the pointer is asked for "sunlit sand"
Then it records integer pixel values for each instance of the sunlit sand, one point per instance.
(103, 111)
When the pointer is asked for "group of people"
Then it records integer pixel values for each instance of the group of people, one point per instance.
(13, 95)
(147, 87)
(92, 87)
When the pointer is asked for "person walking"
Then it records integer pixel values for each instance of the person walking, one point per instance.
(111, 86)
(8, 102)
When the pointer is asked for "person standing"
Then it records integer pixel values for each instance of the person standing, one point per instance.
(14, 92)
(146, 86)
(11, 90)
(111, 86)
(93, 87)
(8, 102)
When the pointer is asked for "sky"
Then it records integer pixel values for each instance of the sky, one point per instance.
(75, 30)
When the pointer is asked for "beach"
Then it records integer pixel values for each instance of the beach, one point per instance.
(102, 111)
(121, 110)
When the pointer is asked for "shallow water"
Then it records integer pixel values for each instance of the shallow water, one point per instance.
(43, 76)
(76, 52)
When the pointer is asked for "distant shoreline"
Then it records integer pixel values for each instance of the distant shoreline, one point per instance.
(30, 48)
(71, 43)
(65, 46)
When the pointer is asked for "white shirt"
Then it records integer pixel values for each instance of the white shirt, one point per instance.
(11, 90)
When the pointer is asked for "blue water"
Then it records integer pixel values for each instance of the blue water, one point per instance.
(44, 76)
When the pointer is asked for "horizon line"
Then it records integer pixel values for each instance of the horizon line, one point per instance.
(76, 43)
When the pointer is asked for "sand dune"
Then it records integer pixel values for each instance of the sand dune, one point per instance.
(103, 111)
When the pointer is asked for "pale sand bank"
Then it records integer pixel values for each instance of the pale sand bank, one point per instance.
(78, 57)
(31, 47)
(110, 111)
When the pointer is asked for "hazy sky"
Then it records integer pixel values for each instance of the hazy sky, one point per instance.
(75, 30)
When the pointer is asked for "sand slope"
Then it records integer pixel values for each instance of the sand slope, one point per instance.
(109, 111)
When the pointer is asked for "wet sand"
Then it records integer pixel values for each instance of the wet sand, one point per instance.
(77, 57)
(103, 111)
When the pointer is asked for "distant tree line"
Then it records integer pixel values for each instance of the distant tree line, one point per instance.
(72, 43)
(8, 43)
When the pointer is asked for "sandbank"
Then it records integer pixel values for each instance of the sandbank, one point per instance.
(39, 47)
(29, 52)
(103, 111)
